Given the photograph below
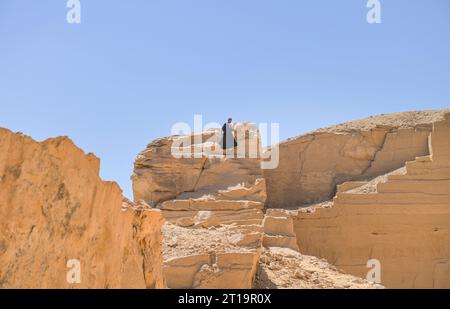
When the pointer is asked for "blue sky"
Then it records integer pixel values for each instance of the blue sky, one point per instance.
(133, 68)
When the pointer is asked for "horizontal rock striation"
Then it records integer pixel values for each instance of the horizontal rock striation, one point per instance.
(312, 165)
(220, 257)
(213, 205)
(401, 219)
(284, 268)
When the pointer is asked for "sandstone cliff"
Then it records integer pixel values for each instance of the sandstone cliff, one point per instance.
(401, 219)
(160, 176)
(284, 268)
(312, 165)
(54, 208)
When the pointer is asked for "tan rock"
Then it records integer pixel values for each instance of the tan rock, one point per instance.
(349, 185)
(255, 192)
(401, 219)
(185, 221)
(160, 176)
(228, 271)
(249, 239)
(278, 226)
(280, 241)
(283, 268)
(206, 219)
(209, 205)
(54, 208)
(313, 164)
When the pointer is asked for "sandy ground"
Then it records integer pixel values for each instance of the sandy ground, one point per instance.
(181, 242)
(283, 268)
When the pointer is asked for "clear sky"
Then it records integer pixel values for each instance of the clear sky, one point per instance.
(133, 68)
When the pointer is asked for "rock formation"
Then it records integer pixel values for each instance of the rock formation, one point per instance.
(401, 219)
(279, 230)
(213, 204)
(216, 228)
(55, 208)
(159, 175)
(312, 165)
(207, 218)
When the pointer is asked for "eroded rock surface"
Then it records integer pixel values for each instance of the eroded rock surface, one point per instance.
(214, 208)
(159, 175)
(279, 230)
(219, 232)
(54, 208)
(312, 165)
(222, 257)
(401, 219)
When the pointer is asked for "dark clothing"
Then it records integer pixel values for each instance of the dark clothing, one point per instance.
(228, 140)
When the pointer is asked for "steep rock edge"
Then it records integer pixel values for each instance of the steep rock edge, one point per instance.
(312, 165)
(402, 219)
(54, 207)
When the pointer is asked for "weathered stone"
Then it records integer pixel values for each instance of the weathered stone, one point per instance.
(403, 222)
(283, 268)
(54, 208)
(313, 164)
(349, 185)
(160, 176)
(280, 241)
(210, 258)
(278, 226)
(52, 197)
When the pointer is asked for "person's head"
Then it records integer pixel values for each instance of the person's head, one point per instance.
(230, 120)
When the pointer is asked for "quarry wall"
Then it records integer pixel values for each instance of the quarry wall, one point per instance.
(402, 220)
(312, 165)
(55, 208)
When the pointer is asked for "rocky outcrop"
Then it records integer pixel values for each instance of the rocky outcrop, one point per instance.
(213, 205)
(401, 219)
(55, 208)
(200, 219)
(312, 165)
(192, 166)
(216, 226)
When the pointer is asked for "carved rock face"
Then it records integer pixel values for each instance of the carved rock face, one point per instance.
(54, 208)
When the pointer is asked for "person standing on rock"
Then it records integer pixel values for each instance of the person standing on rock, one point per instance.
(228, 138)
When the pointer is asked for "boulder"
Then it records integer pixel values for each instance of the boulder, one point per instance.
(160, 174)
